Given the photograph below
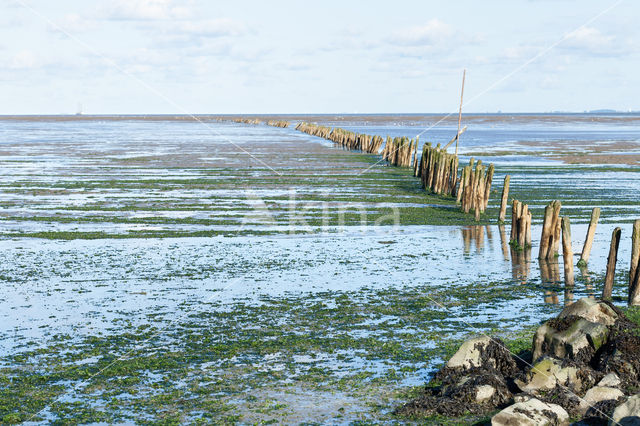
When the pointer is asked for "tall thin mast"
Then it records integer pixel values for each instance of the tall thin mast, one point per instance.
(464, 73)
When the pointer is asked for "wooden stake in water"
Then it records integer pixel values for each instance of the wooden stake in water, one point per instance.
(464, 73)
(634, 271)
(611, 264)
(591, 232)
(567, 251)
(505, 199)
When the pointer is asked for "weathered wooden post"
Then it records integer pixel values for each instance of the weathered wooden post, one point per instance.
(634, 271)
(588, 243)
(567, 251)
(611, 264)
(505, 198)
(551, 230)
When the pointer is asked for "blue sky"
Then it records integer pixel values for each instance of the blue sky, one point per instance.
(193, 56)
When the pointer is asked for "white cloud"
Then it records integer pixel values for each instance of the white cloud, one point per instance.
(147, 10)
(434, 32)
(209, 28)
(25, 59)
(73, 23)
(592, 42)
(589, 38)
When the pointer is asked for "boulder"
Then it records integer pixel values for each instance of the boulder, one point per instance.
(616, 363)
(610, 380)
(468, 355)
(474, 391)
(628, 413)
(484, 393)
(571, 337)
(484, 353)
(598, 394)
(548, 373)
(592, 310)
(531, 413)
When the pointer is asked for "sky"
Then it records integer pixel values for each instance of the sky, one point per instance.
(277, 56)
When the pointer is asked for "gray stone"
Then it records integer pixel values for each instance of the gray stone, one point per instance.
(582, 338)
(468, 355)
(592, 310)
(521, 397)
(628, 413)
(597, 394)
(531, 413)
(548, 373)
(610, 380)
(484, 393)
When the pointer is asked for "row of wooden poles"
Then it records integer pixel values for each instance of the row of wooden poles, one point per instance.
(278, 123)
(246, 120)
(345, 138)
(273, 123)
(556, 229)
(437, 169)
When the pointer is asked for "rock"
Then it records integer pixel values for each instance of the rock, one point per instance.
(628, 413)
(598, 394)
(548, 373)
(616, 363)
(468, 355)
(521, 397)
(484, 393)
(531, 413)
(474, 391)
(610, 380)
(572, 337)
(592, 310)
(485, 353)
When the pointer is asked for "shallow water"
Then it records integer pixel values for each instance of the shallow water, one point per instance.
(121, 177)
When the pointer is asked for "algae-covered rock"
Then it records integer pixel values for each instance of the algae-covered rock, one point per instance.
(485, 353)
(592, 310)
(572, 337)
(476, 392)
(549, 373)
(468, 354)
(598, 394)
(627, 413)
(531, 413)
(610, 380)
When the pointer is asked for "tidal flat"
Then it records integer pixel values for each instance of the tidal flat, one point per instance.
(162, 271)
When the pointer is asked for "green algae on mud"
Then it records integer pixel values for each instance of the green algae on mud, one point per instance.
(226, 365)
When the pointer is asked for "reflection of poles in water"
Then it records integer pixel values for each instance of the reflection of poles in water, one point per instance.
(489, 237)
(551, 297)
(550, 274)
(504, 242)
(479, 231)
(466, 239)
(549, 271)
(568, 295)
(521, 264)
(588, 284)
(473, 234)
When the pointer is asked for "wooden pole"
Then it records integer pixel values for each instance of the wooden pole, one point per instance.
(455, 138)
(527, 239)
(634, 271)
(611, 264)
(557, 229)
(591, 232)
(505, 198)
(464, 73)
(567, 251)
(546, 232)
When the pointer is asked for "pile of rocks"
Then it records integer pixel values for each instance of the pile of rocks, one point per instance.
(584, 366)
